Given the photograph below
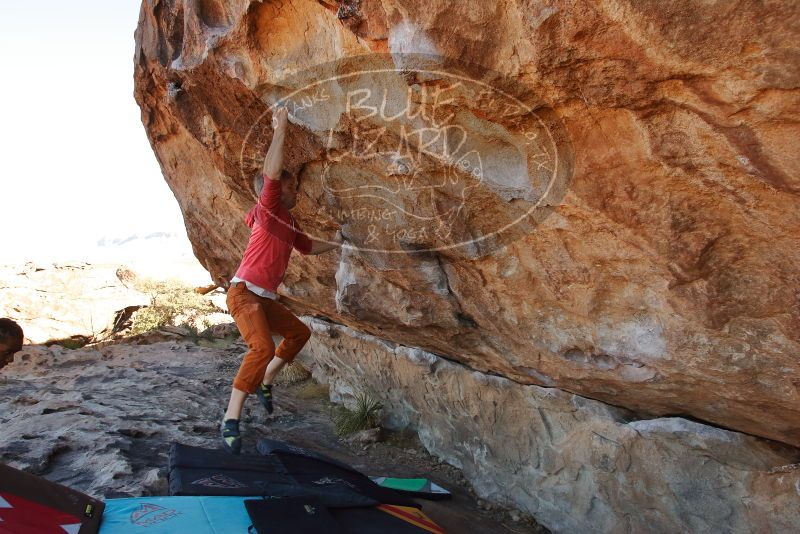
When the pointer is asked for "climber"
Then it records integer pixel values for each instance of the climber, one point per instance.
(252, 298)
(11, 339)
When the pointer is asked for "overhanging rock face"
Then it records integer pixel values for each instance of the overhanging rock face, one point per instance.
(628, 231)
(576, 464)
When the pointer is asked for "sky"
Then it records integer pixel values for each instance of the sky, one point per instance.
(76, 162)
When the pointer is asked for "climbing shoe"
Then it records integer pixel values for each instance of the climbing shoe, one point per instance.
(231, 439)
(264, 393)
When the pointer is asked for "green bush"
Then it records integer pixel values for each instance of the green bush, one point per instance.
(366, 415)
(171, 303)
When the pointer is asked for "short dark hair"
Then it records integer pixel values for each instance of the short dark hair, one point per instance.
(258, 180)
(11, 335)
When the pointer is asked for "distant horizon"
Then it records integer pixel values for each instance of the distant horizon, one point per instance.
(125, 248)
(78, 166)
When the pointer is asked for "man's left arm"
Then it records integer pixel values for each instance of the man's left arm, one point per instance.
(310, 246)
(318, 247)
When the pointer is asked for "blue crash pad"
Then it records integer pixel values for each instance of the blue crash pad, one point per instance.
(171, 515)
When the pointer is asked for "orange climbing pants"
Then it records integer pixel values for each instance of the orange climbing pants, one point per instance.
(258, 318)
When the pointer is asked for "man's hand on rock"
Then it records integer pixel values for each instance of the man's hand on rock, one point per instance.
(318, 247)
(280, 118)
(273, 162)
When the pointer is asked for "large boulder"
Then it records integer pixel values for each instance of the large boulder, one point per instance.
(628, 230)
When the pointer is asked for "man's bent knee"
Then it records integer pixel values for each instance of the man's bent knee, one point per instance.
(303, 334)
(293, 343)
(260, 348)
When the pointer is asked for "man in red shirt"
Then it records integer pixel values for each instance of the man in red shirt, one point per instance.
(252, 299)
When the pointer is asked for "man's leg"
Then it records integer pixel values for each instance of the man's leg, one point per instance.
(235, 404)
(274, 367)
(295, 335)
(246, 309)
(255, 330)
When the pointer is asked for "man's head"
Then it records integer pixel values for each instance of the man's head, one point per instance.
(289, 187)
(11, 338)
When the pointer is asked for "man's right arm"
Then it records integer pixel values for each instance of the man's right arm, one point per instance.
(273, 163)
(269, 199)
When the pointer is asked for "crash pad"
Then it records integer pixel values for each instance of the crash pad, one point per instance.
(30, 504)
(171, 515)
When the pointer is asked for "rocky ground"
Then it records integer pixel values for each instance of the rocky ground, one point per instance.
(101, 420)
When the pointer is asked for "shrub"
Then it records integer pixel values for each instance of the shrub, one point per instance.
(293, 373)
(365, 415)
(171, 303)
(72, 342)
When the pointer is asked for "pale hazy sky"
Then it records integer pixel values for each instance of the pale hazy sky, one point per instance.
(76, 163)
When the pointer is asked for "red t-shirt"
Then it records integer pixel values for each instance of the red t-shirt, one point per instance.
(274, 234)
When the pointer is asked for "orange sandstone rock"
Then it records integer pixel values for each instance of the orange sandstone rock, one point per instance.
(662, 272)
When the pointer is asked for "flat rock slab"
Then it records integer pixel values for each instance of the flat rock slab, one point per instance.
(65, 300)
